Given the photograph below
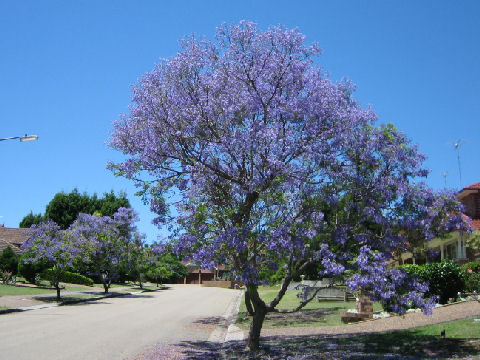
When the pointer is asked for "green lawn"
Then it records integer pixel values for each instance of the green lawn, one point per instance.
(466, 328)
(20, 290)
(145, 288)
(24, 290)
(325, 313)
(77, 288)
(100, 285)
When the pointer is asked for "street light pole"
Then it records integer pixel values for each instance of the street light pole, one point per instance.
(22, 138)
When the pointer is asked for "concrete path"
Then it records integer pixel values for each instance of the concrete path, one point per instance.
(116, 328)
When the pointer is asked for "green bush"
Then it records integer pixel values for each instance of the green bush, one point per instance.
(471, 276)
(68, 277)
(472, 265)
(9, 261)
(444, 278)
(30, 270)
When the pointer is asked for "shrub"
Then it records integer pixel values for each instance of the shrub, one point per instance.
(471, 276)
(9, 261)
(444, 278)
(30, 270)
(68, 277)
(472, 265)
(7, 277)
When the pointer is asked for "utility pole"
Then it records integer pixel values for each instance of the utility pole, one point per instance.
(456, 146)
(445, 174)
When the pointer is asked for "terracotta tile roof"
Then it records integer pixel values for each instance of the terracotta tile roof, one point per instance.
(4, 244)
(475, 224)
(13, 236)
(475, 186)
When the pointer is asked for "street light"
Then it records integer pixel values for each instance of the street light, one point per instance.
(22, 138)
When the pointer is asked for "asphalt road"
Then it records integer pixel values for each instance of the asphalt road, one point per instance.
(115, 328)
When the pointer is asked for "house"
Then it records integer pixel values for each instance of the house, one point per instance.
(453, 246)
(12, 237)
(197, 275)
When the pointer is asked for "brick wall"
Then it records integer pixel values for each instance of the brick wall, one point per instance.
(222, 283)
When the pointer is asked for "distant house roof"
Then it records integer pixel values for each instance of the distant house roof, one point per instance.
(14, 236)
(475, 186)
(4, 244)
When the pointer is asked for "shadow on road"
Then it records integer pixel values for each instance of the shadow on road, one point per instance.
(134, 296)
(213, 320)
(82, 300)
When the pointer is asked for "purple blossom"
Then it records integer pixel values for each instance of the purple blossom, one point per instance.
(271, 162)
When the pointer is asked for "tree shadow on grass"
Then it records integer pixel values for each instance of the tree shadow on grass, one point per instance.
(73, 300)
(397, 345)
(306, 316)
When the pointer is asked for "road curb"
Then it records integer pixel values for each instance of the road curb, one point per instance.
(220, 332)
(234, 333)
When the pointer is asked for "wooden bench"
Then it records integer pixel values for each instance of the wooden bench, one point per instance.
(346, 297)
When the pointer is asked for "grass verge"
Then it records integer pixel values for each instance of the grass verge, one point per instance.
(325, 313)
(20, 290)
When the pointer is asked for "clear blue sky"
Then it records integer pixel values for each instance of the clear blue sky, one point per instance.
(66, 70)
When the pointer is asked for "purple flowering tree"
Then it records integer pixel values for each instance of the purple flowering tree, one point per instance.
(105, 241)
(47, 242)
(274, 163)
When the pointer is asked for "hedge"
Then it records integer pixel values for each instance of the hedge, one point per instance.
(445, 279)
(68, 277)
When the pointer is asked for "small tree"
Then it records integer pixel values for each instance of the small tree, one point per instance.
(137, 261)
(48, 243)
(165, 266)
(105, 241)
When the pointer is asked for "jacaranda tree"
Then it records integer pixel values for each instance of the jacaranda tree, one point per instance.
(48, 243)
(275, 163)
(105, 242)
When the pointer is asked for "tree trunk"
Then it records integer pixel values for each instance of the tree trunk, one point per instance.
(260, 310)
(106, 282)
(248, 303)
(58, 293)
(255, 328)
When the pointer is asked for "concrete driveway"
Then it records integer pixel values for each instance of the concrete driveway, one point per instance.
(116, 328)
